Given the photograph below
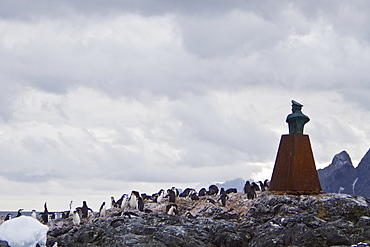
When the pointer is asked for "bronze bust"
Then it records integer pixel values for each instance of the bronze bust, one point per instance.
(297, 119)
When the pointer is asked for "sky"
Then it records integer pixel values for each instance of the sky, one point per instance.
(99, 98)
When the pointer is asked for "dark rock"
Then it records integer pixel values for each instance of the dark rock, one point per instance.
(4, 243)
(272, 220)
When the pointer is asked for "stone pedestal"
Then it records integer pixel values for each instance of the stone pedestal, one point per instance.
(295, 170)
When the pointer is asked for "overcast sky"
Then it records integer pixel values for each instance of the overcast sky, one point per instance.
(98, 99)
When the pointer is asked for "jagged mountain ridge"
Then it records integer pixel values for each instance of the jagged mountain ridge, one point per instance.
(341, 176)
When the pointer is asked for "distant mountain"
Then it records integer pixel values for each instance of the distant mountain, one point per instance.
(237, 183)
(341, 176)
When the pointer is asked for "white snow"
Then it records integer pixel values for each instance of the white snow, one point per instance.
(354, 185)
(23, 231)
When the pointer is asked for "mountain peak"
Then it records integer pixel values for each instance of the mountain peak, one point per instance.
(341, 159)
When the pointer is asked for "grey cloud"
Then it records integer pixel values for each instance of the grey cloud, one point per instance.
(160, 92)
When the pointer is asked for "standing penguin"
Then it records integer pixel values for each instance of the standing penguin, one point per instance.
(262, 186)
(113, 203)
(124, 201)
(76, 218)
(252, 192)
(174, 189)
(134, 198)
(266, 184)
(247, 187)
(45, 215)
(223, 198)
(161, 196)
(70, 214)
(85, 209)
(172, 196)
(140, 204)
(102, 210)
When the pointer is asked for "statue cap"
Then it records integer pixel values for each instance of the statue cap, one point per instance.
(296, 103)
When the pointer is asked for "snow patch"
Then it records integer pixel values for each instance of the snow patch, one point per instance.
(353, 186)
(23, 231)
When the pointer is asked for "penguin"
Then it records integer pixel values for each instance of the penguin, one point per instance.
(45, 215)
(161, 196)
(85, 210)
(124, 201)
(145, 196)
(194, 197)
(212, 190)
(187, 192)
(140, 204)
(19, 212)
(112, 202)
(223, 198)
(252, 192)
(171, 209)
(133, 202)
(65, 215)
(262, 186)
(34, 214)
(129, 214)
(8, 217)
(70, 209)
(202, 192)
(231, 190)
(222, 190)
(256, 187)
(247, 187)
(266, 184)
(76, 218)
(172, 196)
(102, 210)
(175, 190)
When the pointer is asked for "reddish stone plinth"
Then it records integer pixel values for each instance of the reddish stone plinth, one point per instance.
(295, 170)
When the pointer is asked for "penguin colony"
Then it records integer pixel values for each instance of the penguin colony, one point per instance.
(164, 200)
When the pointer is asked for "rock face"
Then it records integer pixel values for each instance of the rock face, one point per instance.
(341, 176)
(363, 173)
(269, 220)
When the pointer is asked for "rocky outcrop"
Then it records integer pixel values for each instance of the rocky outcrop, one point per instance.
(4, 243)
(270, 220)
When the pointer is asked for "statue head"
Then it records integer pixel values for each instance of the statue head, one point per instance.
(296, 106)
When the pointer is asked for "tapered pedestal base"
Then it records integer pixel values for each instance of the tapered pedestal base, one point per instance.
(295, 170)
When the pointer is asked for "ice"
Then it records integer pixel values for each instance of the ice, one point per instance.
(23, 231)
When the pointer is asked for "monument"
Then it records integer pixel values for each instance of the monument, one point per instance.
(295, 170)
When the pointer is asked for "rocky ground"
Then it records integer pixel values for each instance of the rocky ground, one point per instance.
(268, 220)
